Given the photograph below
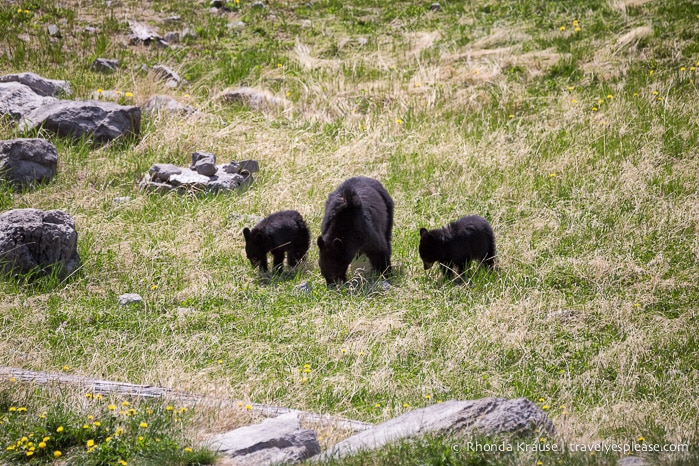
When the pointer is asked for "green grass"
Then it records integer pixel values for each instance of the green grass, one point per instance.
(485, 108)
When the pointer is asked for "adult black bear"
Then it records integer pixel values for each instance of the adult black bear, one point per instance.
(281, 232)
(358, 220)
(469, 238)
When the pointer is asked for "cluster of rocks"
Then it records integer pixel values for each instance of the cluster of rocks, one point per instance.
(32, 102)
(283, 440)
(202, 176)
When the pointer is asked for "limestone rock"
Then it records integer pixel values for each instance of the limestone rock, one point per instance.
(167, 74)
(32, 239)
(143, 34)
(273, 441)
(487, 416)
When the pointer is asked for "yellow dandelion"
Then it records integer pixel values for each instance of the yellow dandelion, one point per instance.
(288, 93)
(511, 115)
(90, 443)
(220, 361)
(406, 405)
(111, 407)
(565, 413)
(610, 96)
(600, 101)
(439, 401)
(143, 425)
(660, 99)
(304, 380)
(183, 409)
(108, 439)
(13, 380)
(541, 400)
(562, 28)
(399, 121)
(98, 397)
(577, 29)
(552, 175)
(188, 450)
(575, 101)
(57, 453)
(545, 407)
(42, 445)
(153, 287)
(85, 426)
(123, 463)
(344, 350)
(169, 408)
(279, 65)
(97, 423)
(542, 440)
(88, 396)
(377, 405)
(186, 96)
(240, 404)
(635, 94)
(641, 439)
(683, 69)
(129, 94)
(99, 90)
(59, 429)
(248, 407)
(30, 453)
(66, 368)
(690, 69)
(140, 438)
(594, 109)
(125, 403)
(119, 431)
(651, 72)
(575, 22)
(46, 439)
(89, 418)
(12, 409)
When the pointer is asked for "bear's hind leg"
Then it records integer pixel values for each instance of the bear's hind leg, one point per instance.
(278, 259)
(381, 262)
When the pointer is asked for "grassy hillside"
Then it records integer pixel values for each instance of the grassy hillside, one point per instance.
(570, 126)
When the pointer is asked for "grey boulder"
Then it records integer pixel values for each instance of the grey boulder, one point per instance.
(106, 65)
(28, 161)
(102, 121)
(273, 441)
(41, 86)
(487, 416)
(36, 240)
(204, 163)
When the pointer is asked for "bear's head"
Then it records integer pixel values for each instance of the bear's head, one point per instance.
(429, 248)
(334, 260)
(254, 246)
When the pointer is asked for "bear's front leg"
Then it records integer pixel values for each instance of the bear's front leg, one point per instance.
(278, 259)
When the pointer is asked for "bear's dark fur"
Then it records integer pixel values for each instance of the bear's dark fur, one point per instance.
(358, 220)
(281, 232)
(469, 238)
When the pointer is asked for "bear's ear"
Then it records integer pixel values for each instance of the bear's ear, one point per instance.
(246, 233)
(337, 244)
(423, 232)
(320, 242)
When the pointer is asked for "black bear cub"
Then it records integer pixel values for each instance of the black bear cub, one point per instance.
(358, 220)
(469, 238)
(282, 232)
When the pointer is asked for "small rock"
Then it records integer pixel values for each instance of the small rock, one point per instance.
(304, 287)
(273, 441)
(166, 104)
(163, 171)
(232, 168)
(24, 37)
(250, 166)
(385, 285)
(257, 99)
(130, 298)
(167, 73)
(258, 4)
(121, 200)
(53, 31)
(236, 25)
(107, 65)
(632, 461)
(435, 7)
(172, 37)
(204, 163)
(225, 182)
(142, 34)
(91, 30)
(173, 19)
